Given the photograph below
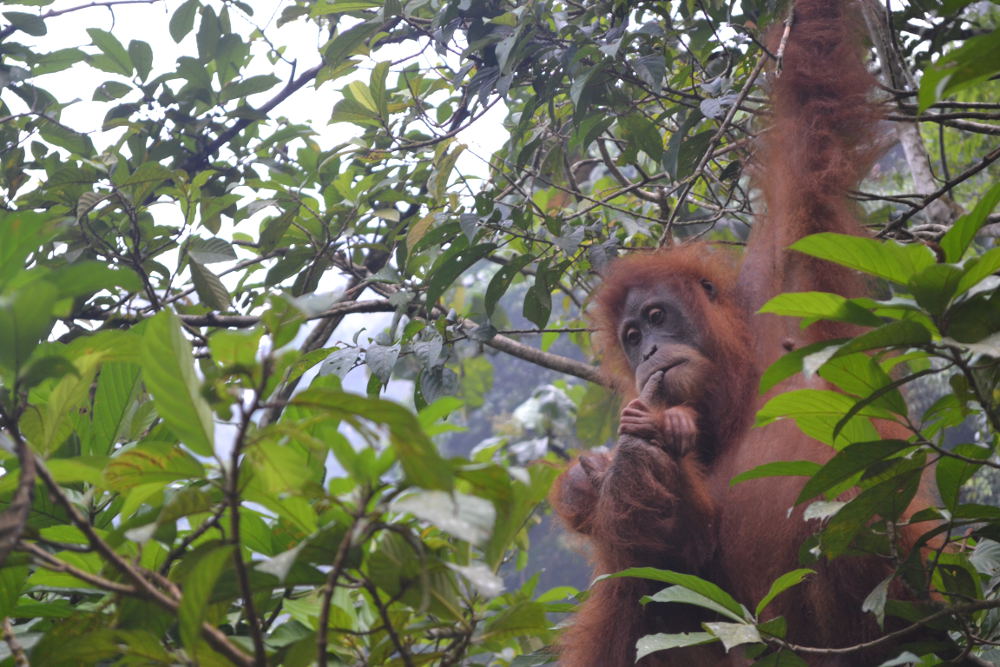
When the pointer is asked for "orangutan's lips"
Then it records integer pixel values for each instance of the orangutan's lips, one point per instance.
(671, 365)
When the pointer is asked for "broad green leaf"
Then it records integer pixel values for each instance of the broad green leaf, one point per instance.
(885, 259)
(806, 402)
(780, 585)
(31, 24)
(25, 319)
(888, 500)
(437, 184)
(860, 374)
(116, 59)
(377, 86)
(847, 463)
(21, 234)
(141, 55)
(644, 134)
(734, 634)
(502, 279)
(973, 62)
(168, 373)
(86, 277)
(210, 250)
(517, 620)
(821, 305)
(326, 7)
(182, 21)
(662, 642)
(197, 589)
(903, 333)
(683, 595)
(955, 242)
(349, 42)
(791, 363)
(978, 269)
(148, 463)
(935, 286)
(450, 266)
(211, 291)
(114, 402)
(691, 582)
(466, 517)
(421, 461)
(951, 473)
(381, 359)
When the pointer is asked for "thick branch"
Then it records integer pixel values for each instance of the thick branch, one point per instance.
(548, 360)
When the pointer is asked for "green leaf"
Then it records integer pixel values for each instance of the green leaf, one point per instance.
(501, 280)
(12, 580)
(326, 7)
(86, 277)
(821, 305)
(182, 21)
(957, 239)
(888, 500)
(31, 24)
(211, 291)
(210, 250)
(251, 85)
(450, 266)
(885, 259)
(466, 517)
(978, 269)
(21, 234)
(114, 402)
(197, 589)
(683, 595)
(791, 363)
(141, 55)
(151, 463)
(381, 359)
(975, 61)
(704, 588)
(116, 60)
(437, 184)
(348, 42)
(662, 642)
(691, 151)
(734, 634)
(422, 464)
(25, 319)
(780, 585)
(778, 469)
(377, 86)
(538, 299)
(860, 374)
(644, 134)
(168, 372)
(49, 427)
(847, 463)
(903, 333)
(808, 402)
(935, 286)
(951, 473)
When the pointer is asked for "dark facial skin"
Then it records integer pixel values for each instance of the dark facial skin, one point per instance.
(655, 334)
(664, 349)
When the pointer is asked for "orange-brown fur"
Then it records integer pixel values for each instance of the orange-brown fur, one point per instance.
(641, 506)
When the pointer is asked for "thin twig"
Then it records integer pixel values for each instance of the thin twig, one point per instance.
(900, 222)
(16, 650)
